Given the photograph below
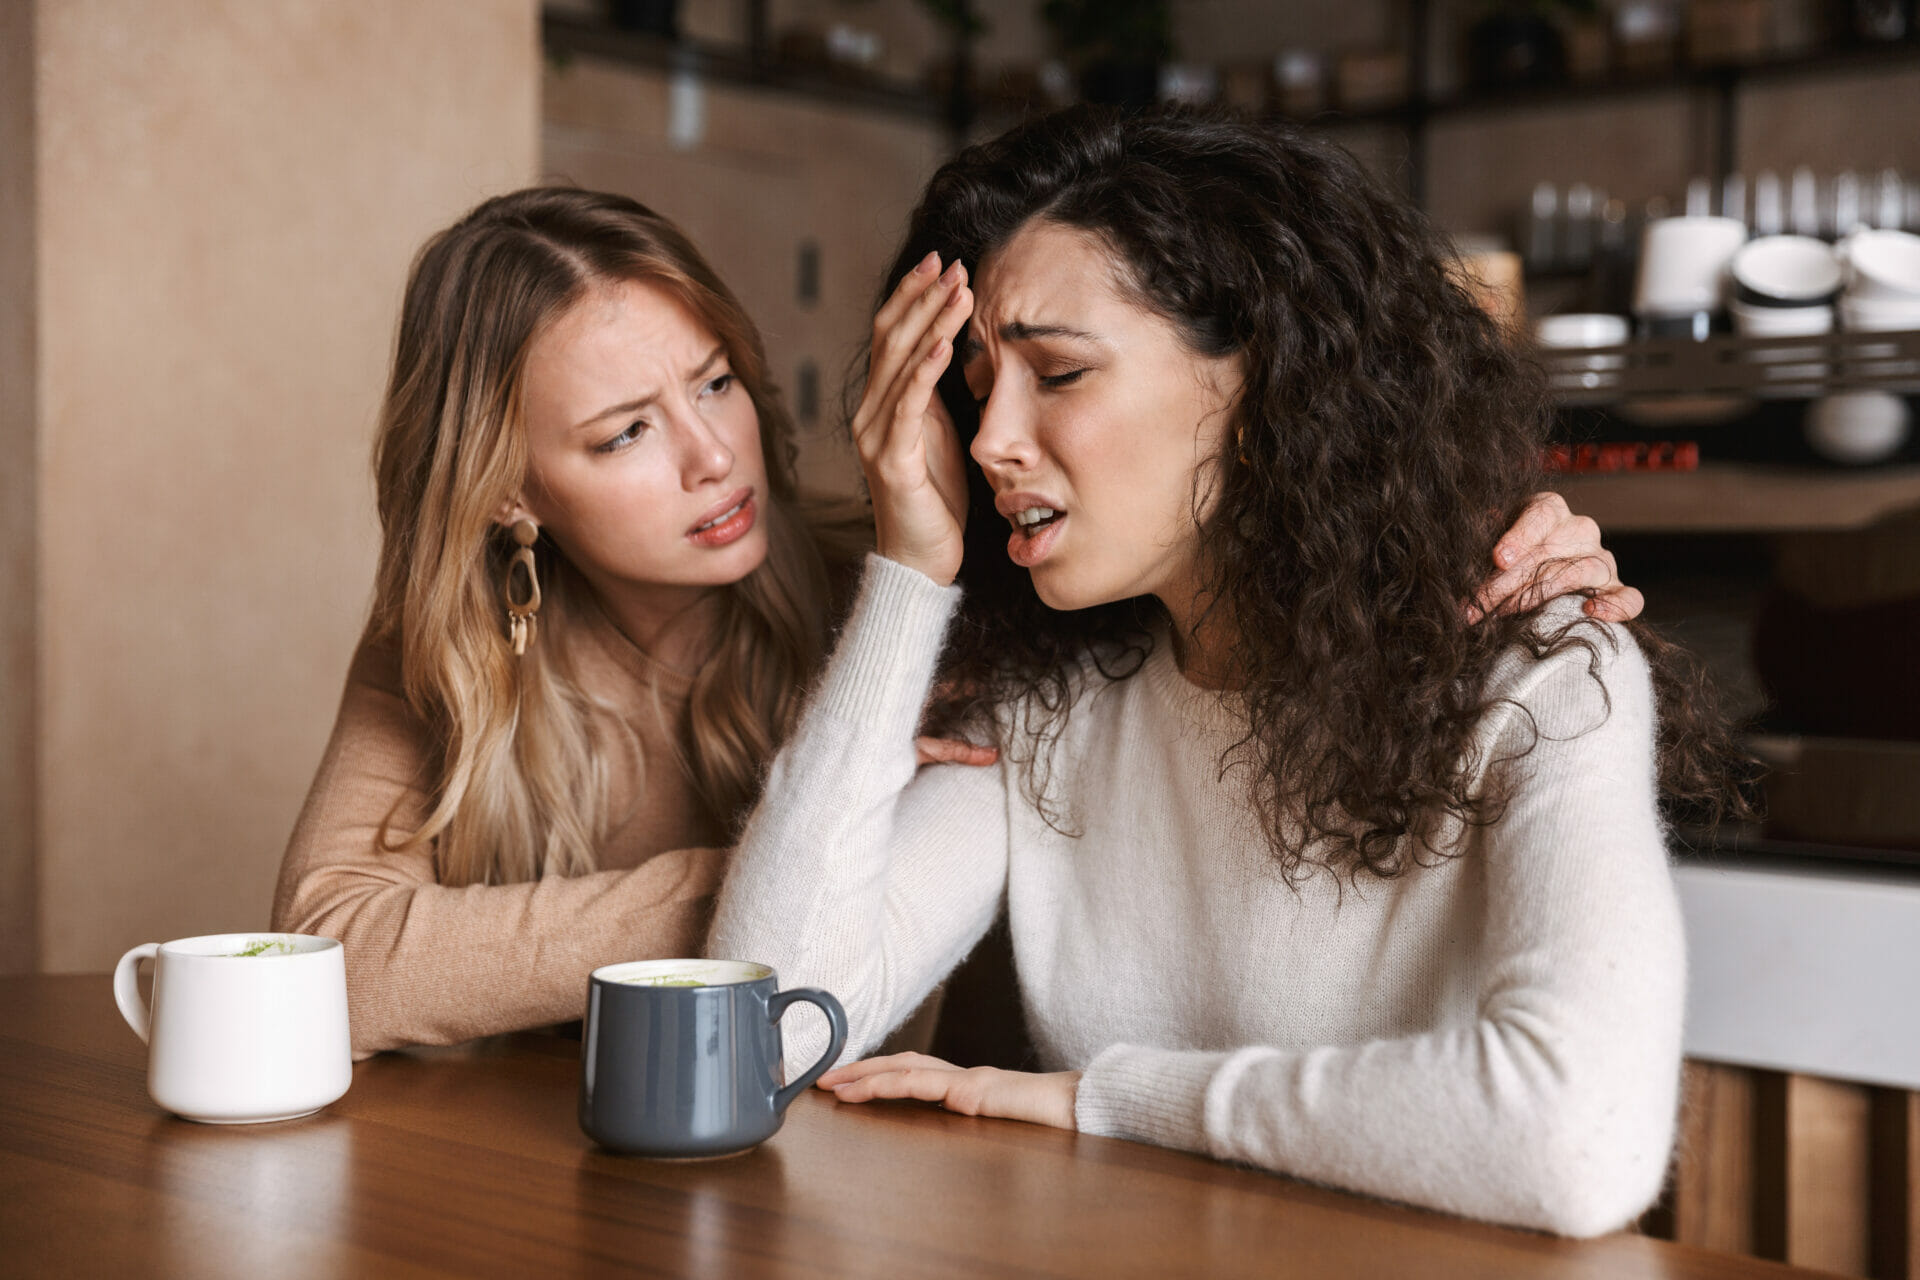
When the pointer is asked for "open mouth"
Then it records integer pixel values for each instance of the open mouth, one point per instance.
(722, 518)
(1033, 519)
(1036, 529)
(727, 525)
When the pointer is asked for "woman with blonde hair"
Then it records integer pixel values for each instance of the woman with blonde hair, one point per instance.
(599, 600)
(599, 595)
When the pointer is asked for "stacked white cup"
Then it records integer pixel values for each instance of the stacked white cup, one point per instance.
(1683, 273)
(1784, 287)
(1791, 286)
(1583, 331)
(1883, 281)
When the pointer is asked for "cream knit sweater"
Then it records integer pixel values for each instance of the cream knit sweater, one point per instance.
(1497, 1035)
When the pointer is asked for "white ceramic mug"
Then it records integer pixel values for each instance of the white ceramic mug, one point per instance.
(245, 1027)
(1683, 265)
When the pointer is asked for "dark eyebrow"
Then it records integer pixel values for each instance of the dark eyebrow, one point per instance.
(1021, 331)
(714, 357)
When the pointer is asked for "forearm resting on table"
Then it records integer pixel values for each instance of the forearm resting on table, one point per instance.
(434, 964)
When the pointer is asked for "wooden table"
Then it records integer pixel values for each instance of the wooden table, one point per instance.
(468, 1162)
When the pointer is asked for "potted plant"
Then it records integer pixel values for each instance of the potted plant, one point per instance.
(1116, 47)
(1518, 43)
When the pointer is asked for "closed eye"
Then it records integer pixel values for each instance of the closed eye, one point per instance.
(633, 432)
(1066, 379)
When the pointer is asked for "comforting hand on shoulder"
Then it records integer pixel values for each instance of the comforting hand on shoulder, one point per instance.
(972, 1091)
(1552, 552)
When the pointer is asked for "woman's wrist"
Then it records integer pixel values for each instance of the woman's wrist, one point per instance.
(1071, 1119)
(942, 568)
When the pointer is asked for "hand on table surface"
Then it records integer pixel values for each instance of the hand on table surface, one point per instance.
(1036, 1097)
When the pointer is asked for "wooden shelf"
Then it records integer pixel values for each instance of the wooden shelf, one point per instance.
(1717, 83)
(1574, 93)
(1741, 498)
(566, 34)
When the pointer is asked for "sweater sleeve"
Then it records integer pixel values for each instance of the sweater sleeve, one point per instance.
(1554, 1107)
(433, 964)
(858, 872)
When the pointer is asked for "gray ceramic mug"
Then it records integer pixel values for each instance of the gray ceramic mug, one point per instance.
(681, 1058)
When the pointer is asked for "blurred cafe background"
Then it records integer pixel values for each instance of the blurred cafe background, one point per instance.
(1702, 213)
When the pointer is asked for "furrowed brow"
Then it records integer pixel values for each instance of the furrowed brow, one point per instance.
(1021, 331)
(638, 403)
(613, 410)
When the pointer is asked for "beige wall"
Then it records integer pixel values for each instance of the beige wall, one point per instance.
(229, 193)
(769, 171)
(1861, 120)
(1483, 164)
(19, 564)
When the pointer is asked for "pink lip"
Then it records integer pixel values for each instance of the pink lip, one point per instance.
(719, 509)
(730, 530)
(1011, 504)
(1029, 549)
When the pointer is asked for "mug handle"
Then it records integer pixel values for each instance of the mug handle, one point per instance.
(126, 987)
(836, 1024)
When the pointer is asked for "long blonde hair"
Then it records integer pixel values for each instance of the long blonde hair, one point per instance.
(524, 752)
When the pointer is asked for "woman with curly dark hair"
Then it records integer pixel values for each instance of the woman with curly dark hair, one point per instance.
(1304, 866)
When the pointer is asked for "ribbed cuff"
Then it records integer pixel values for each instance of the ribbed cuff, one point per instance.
(884, 663)
(1147, 1095)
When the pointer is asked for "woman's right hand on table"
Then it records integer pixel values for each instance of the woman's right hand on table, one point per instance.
(915, 471)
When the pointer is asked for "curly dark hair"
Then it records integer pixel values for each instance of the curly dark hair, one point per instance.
(1386, 434)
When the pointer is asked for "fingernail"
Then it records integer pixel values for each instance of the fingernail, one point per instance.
(927, 263)
(1502, 557)
(952, 272)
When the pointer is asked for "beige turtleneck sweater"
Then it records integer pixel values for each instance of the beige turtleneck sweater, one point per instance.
(432, 964)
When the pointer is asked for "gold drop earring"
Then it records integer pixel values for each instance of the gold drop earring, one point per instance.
(521, 620)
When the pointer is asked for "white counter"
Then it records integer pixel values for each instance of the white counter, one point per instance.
(1813, 970)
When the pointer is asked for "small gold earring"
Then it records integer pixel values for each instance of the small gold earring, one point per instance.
(521, 620)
